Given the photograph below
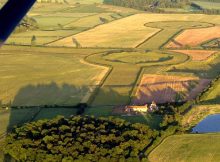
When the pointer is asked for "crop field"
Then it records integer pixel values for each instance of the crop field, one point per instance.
(194, 37)
(166, 89)
(188, 148)
(168, 29)
(197, 55)
(140, 34)
(45, 76)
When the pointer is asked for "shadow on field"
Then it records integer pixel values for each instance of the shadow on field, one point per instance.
(160, 96)
(45, 101)
(49, 94)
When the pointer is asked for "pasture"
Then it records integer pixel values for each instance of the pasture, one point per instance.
(168, 89)
(46, 76)
(208, 5)
(187, 148)
(125, 71)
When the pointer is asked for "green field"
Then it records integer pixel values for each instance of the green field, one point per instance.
(188, 148)
(213, 97)
(126, 67)
(59, 20)
(45, 76)
(208, 5)
(204, 69)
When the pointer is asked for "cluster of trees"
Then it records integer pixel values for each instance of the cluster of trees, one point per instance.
(79, 139)
(27, 23)
(148, 4)
(155, 5)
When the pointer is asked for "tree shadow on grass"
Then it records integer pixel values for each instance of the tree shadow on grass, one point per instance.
(45, 101)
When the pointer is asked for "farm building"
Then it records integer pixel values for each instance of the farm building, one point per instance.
(141, 109)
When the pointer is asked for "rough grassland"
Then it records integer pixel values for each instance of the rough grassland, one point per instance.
(163, 89)
(44, 76)
(195, 37)
(188, 148)
(197, 55)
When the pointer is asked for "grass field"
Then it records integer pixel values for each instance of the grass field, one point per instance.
(203, 69)
(213, 97)
(208, 5)
(188, 148)
(44, 73)
(118, 86)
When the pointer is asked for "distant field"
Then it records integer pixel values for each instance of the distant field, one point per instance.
(123, 32)
(194, 37)
(58, 21)
(85, 1)
(197, 55)
(168, 29)
(166, 89)
(42, 37)
(45, 76)
(188, 148)
(208, 5)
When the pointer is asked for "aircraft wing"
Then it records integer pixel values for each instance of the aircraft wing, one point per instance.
(10, 16)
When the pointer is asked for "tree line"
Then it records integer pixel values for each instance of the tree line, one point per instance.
(79, 138)
(148, 4)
